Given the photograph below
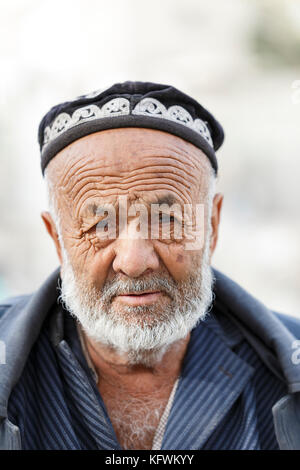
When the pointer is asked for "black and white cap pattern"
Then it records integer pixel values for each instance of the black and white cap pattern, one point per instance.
(130, 104)
(121, 107)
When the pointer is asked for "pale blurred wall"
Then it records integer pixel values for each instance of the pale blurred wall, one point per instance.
(238, 57)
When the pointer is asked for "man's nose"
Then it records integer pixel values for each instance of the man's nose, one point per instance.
(134, 256)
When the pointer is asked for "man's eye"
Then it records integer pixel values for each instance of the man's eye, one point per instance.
(102, 225)
(166, 218)
(106, 229)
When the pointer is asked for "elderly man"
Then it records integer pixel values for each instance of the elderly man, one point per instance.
(136, 342)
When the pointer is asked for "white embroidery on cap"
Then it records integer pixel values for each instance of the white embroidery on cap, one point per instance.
(62, 122)
(121, 107)
(153, 107)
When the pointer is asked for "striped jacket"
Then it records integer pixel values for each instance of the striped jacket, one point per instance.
(272, 336)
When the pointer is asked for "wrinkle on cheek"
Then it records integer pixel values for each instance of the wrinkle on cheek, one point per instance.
(96, 264)
(91, 257)
(80, 251)
(175, 259)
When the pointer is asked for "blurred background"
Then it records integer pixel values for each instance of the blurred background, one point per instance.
(239, 58)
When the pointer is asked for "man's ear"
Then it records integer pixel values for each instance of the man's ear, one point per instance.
(215, 221)
(51, 229)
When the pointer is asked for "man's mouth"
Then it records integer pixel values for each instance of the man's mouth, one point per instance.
(139, 298)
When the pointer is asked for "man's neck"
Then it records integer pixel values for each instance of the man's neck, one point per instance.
(115, 370)
(135, 396)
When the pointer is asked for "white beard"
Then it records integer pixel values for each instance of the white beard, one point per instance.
(142, 333)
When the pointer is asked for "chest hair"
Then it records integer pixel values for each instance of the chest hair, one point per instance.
(135, 419)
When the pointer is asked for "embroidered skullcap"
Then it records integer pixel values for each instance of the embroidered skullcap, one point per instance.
(130, 104)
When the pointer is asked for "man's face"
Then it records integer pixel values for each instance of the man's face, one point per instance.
(136, 280)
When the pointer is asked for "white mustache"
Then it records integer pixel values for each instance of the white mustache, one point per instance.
(120, 287)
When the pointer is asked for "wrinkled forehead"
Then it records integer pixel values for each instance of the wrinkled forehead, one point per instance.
(130, 159)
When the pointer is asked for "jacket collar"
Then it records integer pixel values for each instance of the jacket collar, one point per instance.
(20, 326)
(212, 378)
(266, 333)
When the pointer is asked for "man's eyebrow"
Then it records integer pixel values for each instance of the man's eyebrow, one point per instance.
(94, 209)
(168, 199)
